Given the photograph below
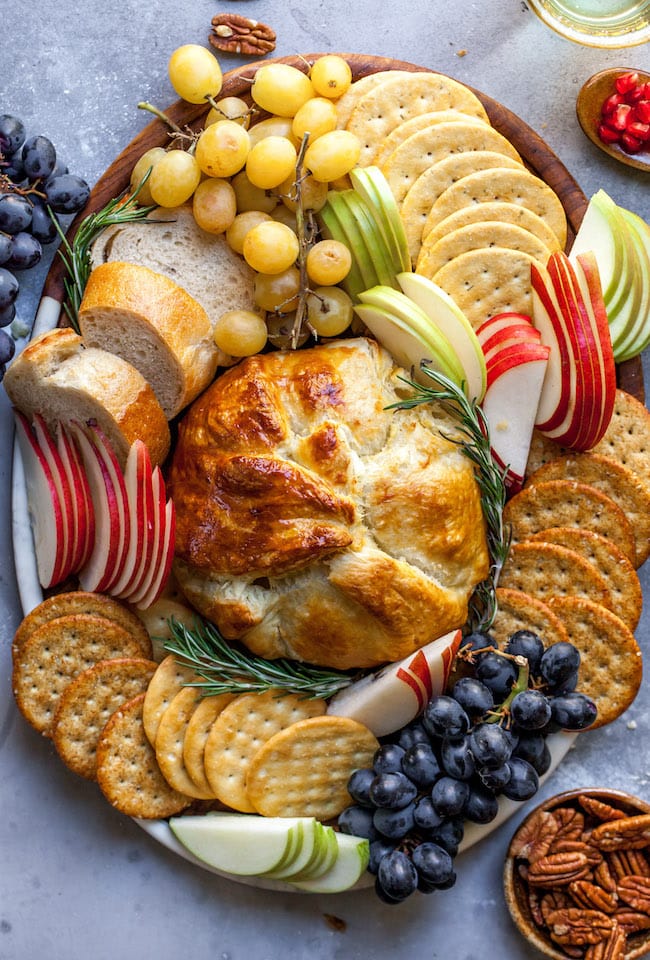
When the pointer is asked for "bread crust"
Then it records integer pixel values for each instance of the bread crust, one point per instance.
(314, 523)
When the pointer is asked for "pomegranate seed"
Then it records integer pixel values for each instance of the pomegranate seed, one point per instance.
(641, 131)
(645, 90)
(608, 134)
(642, 111)
(611, 103)
(619, 117)
(626, 82)
(630, 144)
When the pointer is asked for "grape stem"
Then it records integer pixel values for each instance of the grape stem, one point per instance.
(304, 242)
(521, 684)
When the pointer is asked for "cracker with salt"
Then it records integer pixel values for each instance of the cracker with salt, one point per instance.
(545, 570)
(127, 772)
(346, 104)
(488, 281)
(81, 601)
(621, 577)
(196, 736)
(627, 438)
(239, 731)
(434, 181)
(421, 120)
(304, 769)
(170, 677)
(479, 236)
(567, 503)
(501, 212)
(517, 610)
(613, 478)
(610, 669)
(503, 185)
(58, 651)
(89, 701)
(419, 151)
(170, 743)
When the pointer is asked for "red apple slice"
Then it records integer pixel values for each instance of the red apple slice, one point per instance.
(82, 499)
(513, 356)
(513, 333)
(46, 510)
(501, 321)
(137, 481)
(588, 278)
(65, 490)
(559, 382)
(105, 451)
(166, 541)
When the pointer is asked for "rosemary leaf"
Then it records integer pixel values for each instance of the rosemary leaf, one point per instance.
(226, 668)
(474, 437)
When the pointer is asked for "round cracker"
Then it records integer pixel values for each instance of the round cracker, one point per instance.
(419, 151)
(81, 601)
(612, 478)
(545, 570)
(88, 702)
(303, 770)
(127, 772)
(346, 104)
(170, 677)
(421, 120)
(505, 185)
(567, 503)
(627, 438)
(500, 212)
(621, 577)
(58, 651)
(238, 732)
(610, 669)
(488, 281)
(434, 181)
(170, 742)
(196, 736)
(517, 610)
(478, 236)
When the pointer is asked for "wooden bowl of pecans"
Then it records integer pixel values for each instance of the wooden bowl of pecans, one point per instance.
(577, 876)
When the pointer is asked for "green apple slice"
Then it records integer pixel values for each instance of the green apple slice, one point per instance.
(350, 864)
(372, 187)
(373, 237)
(450, 319)
(331, 229)
(596, 233)
(617, 298)
(237, 843)
(402, 308)
(637, 337)
(306, 853)
(354, 238)
(293, 848)
(323, 859)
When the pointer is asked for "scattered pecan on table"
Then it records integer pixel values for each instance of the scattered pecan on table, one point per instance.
(232, 33)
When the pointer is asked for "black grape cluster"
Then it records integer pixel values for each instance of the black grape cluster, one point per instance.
(35, 187)
(486, 738)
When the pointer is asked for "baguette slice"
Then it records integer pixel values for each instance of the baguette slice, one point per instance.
(170, 242)
(155, 325)
(57, 377)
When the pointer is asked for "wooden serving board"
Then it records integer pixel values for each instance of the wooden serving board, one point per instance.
(537, 155)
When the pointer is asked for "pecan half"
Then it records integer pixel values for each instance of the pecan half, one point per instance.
(630, 833)
(631, 920)
(635, 891)
(570, 823)
(579, 927)
(593, 855)
(604, 877)
(613, 948)
(552, 901)
(592, 896)
(233, 33)
(535, 837)
(599, 810)
(558, 869)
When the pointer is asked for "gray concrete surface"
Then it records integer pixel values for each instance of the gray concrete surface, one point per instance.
(78, 881)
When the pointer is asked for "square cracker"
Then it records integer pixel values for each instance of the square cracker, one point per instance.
(303, 770)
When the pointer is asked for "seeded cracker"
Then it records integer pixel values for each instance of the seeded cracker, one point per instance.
(170, 741)
(612, 478)
(303, 770)
(610, 667)
(479, 236)
(88, 702)
(239, 731)
(196, 736)
(545, 570)
(58, 651)
(520, 611)
(566, 503)
(421, 120)
(127, 772)
(626, 597)
(419, 151)
(169, 678)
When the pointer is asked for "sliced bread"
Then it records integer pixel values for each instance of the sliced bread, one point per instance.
(56, 376)
(170, 242)
(148, 320)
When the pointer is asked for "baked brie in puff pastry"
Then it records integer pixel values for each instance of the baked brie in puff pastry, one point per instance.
(316, 524)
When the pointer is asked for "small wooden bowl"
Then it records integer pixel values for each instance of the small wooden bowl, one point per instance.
(516, 888)
(588, 105)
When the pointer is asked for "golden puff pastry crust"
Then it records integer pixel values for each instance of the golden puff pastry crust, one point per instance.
(313, 522)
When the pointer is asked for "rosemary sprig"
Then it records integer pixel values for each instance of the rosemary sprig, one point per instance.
(225, 668)
(76, 255)
(474, 437)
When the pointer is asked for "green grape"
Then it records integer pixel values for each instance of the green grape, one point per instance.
(214, 205)
(271, 247)
(147, 161)
(277, 291)
(284, 215)
(280, 328)
(332, 155)
(240, 333)
(250, 197)
(316, 117)
(281, 89)
(270, 162)
(329, 311)
(331, 76)
(229, 108)
(240, 226)
(328, 262)
(314, 193)
(174, 178)
(194, 73)
(272, 127)
(222, 148)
